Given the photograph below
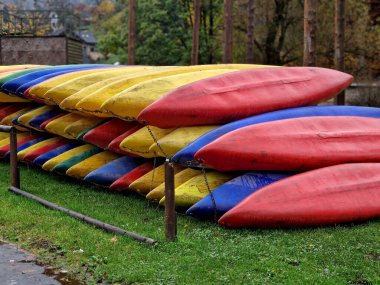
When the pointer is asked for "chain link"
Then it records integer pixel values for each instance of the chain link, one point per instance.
(211, 195)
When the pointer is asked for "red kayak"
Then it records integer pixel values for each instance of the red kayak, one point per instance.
(123, 182)
(10, 109)
(114, 145)
(102, 135)
(295, 144)
(244, 93)
(31, 156)
(331, 195)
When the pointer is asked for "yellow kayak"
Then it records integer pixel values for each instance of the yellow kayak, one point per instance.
(159, 192)
(152, 179)
(178, 139)
(25, 151)
(75, 129)
(70, 102)
(59, 125)
(90, 164)
(140, 141)
(3, 136)
(19, 67)
(51, 163)
(5, 74)
(25, 119)
(129, 103)
(195, 189)
(39, 90)
(5, 98)
(5, 141)
(57, 94)
(91, 104)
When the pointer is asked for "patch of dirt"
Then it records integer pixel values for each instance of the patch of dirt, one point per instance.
(372, 256)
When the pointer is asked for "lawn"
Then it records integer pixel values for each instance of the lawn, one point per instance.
(204, 253)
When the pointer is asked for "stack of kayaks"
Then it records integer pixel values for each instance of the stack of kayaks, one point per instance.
(249, 146)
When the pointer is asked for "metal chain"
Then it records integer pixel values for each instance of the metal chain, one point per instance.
(211, 195)
(156, 141)
(154, 171)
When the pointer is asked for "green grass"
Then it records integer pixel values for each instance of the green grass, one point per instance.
(204, 253)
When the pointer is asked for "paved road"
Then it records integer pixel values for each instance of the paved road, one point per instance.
(17, 267)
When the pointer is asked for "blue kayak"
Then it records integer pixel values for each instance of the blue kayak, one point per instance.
(186, 155)
(109, 173)
(13, 85)
(53, 153)
(38, 120)
(232, 193)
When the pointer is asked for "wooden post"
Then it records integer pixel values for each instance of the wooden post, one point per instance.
(14, 168)
(132, 31)
(309, 54)
(340, 21)
(227, 35)
(195, 47)
(170, 215)
(250, 30)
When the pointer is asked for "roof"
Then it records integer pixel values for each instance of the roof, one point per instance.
(86, 37)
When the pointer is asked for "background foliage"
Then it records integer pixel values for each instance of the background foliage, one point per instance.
(165, 29)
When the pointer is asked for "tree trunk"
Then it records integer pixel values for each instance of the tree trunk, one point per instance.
(309, 54)
(250, 30)
(227, 39)
(195, 47)
(211, 31)
(339, 42)
(132, 31)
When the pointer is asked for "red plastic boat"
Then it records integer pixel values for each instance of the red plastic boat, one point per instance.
(114, 145)
(244, 93)
(331, 195)
(295, 144)
(102, 135)
(123, 182)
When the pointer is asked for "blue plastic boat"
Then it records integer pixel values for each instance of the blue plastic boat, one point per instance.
(112, 171)
(186, 155)
(53, 153)
(38, 120)
(232, 193)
